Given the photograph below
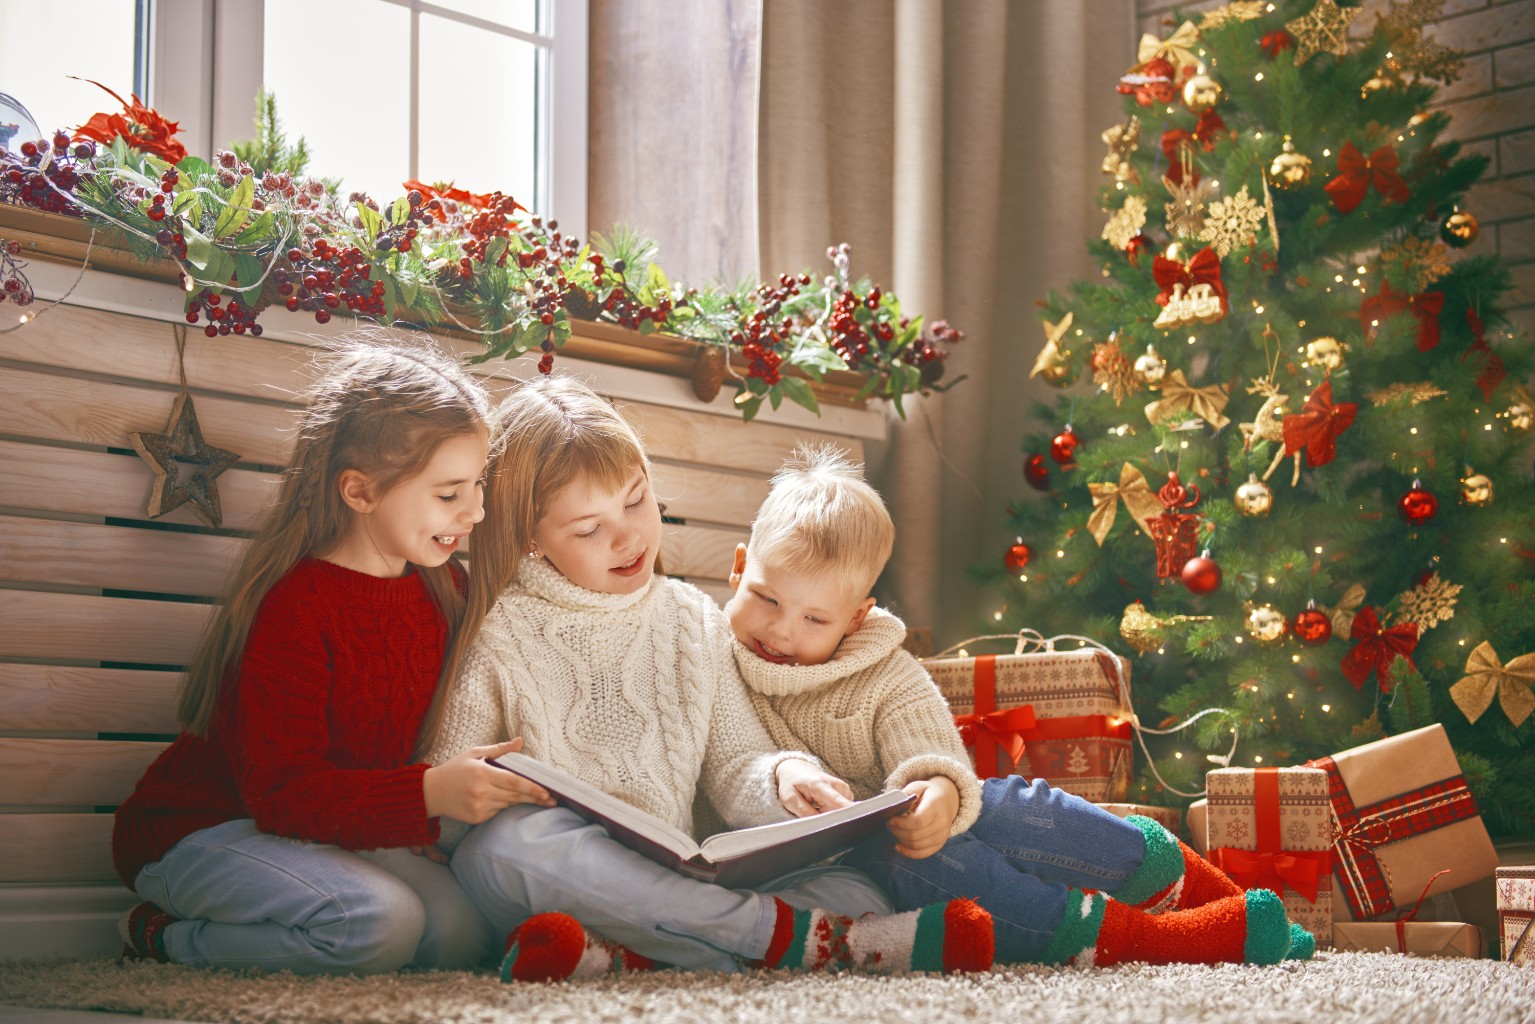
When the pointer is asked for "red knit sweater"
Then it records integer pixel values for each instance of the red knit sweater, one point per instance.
(314, 739)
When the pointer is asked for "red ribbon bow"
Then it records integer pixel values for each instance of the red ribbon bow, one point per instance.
(1317, 426)
(1001, 729)
(1426, 307)
(1276, 42)
(1493, 370)
(1204, 267)
(1301, 870)
(1356, 173)
(1378, 647)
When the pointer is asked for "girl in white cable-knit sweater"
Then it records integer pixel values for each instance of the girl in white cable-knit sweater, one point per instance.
(625, 679)
(828, 674)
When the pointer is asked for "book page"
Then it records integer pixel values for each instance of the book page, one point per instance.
(728, 845)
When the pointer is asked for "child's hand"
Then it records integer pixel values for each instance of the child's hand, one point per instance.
(805, 789)
(922, 831)
(469, 789)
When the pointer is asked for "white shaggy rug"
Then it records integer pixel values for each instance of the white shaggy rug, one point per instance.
(1337, 988)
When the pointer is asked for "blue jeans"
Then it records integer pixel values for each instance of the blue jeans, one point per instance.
(1029, 844)
(249, 899)
(530, 860)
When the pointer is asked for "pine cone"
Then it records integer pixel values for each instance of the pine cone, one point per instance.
(581, 304)
(708, 372)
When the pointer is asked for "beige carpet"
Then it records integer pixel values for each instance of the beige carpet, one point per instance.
(1339, 988)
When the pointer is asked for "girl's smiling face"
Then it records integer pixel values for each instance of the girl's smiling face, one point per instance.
(600, 539)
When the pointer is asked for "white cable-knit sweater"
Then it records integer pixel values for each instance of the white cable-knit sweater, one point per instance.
(633, 693)
(871, 713)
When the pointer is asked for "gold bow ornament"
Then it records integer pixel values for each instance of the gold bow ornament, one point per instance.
(1053, 362)
(1342, 613)
(1487, 677)
(1138, 498)
(1179, 397)
(1177, 49)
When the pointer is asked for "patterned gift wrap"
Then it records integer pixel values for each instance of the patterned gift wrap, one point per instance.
(1416, 938)
(1403, 813)
(1271, 828)
(1169, 818)
(1515, 888)
(1063, 716)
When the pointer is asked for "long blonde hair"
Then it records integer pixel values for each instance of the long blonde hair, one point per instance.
(547, 433)
(378, 408)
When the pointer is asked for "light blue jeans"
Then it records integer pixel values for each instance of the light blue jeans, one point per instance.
(249, 899)
(1029, 844)
(529, 860)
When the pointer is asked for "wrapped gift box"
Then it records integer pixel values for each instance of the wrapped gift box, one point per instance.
(1515, 888)
(1271, 828)
(1169, 818)
(1063, 716)
(1402, 813)
(1419, 938)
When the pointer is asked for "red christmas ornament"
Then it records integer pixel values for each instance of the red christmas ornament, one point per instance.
(1202, 575)
(1312, 627)
(1276, 42)
(1137, 245)
(1417, 506)
(1063, 446)
(1017, 557)
(1173, 532)
(1037, 472)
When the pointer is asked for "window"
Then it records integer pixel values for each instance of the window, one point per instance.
(490, 94)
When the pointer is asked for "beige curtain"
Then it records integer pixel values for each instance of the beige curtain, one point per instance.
(954, 145)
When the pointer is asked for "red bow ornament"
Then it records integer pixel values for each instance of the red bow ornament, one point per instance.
(1317, 426)
(1493, 370)
(1426, 307)
(1003, 728)
(1356, 173)
(1276, 42)
(1301, 871)
(1377, 648)
(1204, 267)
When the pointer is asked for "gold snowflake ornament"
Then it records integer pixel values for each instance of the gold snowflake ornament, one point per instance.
(1239, 10)
(1126, 222)
(1232, 223)
(1429, 604)
(1187, 207)
(1323, 30)
(1112, 372)
(1424, 261)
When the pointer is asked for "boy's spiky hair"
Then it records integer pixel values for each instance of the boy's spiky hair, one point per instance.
(821, 516)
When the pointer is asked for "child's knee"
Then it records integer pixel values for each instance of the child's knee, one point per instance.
(379, 925)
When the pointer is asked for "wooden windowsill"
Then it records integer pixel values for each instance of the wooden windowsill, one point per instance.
(55, 238)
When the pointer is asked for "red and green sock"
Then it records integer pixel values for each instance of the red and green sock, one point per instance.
(143, 932)
(949, 937)
(1171, 876)
(555, 946)
(1097, 931)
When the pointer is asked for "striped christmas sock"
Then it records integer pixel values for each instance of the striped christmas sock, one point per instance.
(143, 932)
(555, 946)
(948, 937)
(1098, 931)
(1171, 876)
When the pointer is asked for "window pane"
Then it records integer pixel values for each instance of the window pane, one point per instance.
(43, 42)
(357, 127)
(478, 109)
(518, 14)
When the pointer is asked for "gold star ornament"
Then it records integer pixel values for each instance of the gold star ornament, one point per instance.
(185, 465)
(1323, 30)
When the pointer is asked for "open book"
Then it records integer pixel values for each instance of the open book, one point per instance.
(738, 859)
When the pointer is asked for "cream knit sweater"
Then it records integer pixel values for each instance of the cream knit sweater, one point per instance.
(871, 713)
(633, 693)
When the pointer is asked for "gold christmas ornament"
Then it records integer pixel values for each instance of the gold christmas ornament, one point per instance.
(1186, 209)
(1053, 363)
(1149, 368)
(1266, 624)
(1322, 30)
(1326, 352)
(1232, 223)
(1123, 140)
(1520, 418)
(1143, 630)
(1181, 401)
(1133, 490)
(1201, 92)
(1126, 222)
(1290, 169)
(1429, 603)
(1476, 489)
(1487, 677)
(1342, 613)
(1423, 262)
(1254, 499)
(1112, 371)
(1418, 392)
(1411, 50)
(1268, 424)
(1238, 10)
(1460, 229)
(1379, 82)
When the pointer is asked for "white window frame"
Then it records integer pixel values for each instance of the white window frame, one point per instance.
(209, 52)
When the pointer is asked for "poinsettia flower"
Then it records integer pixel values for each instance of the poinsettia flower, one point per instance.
(459, 195)
(141, 127)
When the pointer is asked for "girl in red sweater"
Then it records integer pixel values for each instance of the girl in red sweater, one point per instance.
(285, 827)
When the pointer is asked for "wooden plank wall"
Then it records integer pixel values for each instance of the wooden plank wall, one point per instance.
(100, 606)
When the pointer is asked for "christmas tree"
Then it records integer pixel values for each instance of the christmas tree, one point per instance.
(1287, 470)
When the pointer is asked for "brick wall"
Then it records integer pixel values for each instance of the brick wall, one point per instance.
(1492, 107)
